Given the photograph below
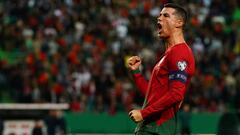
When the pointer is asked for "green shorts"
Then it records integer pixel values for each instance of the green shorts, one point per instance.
(167, 128)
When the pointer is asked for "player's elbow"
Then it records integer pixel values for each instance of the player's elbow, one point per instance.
(178, 90)
(178, 96)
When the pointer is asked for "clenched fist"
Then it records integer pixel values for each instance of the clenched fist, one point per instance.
(134, 62)
(135, 115)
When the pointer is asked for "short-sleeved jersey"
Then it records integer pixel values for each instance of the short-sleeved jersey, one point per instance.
(166, 88)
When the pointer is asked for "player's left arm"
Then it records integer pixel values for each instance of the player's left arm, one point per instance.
(180, 71)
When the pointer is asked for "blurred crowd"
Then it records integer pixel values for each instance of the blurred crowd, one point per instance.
(75, 51)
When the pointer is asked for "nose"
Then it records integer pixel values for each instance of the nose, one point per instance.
(159, 19)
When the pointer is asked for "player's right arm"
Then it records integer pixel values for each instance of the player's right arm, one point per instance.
(133, 64)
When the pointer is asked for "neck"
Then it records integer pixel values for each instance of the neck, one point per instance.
(175, 38)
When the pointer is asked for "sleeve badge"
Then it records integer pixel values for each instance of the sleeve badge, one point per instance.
(182, 65)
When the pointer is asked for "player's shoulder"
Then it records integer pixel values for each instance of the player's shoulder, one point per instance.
(181, 49)
(180, 56)
(181, 52)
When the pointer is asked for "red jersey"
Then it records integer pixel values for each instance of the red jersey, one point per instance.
(167, 86)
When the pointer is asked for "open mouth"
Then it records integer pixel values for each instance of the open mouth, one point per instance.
(159, 26)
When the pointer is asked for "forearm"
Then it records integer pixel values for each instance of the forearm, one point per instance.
(140, 81)
(173, 96)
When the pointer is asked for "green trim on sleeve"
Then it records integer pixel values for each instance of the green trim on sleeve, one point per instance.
(135, 71)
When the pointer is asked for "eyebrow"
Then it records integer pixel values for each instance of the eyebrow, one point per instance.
(164, 14)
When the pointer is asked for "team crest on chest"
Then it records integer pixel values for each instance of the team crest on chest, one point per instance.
(182, 65)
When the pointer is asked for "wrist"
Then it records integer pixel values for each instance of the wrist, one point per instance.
(136, 71)
(143, 114)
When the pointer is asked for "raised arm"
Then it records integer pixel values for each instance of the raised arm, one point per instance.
(133, 64)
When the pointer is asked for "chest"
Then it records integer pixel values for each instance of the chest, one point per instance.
(159, 79)
(160, 68)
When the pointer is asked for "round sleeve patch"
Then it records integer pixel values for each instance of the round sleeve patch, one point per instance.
(182, 65)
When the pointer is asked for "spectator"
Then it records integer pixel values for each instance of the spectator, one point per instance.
(38, 128)
(55, 123)
(185, 120)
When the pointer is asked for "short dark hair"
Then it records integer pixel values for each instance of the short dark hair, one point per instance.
(180, 11)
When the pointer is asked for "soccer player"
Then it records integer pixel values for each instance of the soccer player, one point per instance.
(165, 90)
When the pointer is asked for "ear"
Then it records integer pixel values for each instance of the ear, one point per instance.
(179, 23)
